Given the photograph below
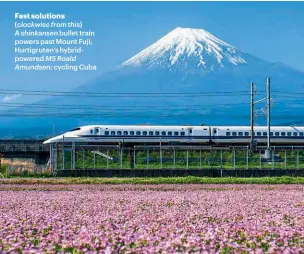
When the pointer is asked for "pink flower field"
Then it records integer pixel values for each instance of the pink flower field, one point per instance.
(151, 219)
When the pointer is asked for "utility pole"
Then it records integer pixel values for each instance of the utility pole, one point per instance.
(268, 112)
(268, 152)
(252, 115)
(252, 103)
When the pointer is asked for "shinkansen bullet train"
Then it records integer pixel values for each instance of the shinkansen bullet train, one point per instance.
(132, 134)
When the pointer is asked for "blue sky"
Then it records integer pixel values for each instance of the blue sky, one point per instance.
(273, 31)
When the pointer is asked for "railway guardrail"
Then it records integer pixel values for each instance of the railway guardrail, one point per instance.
(87, 159)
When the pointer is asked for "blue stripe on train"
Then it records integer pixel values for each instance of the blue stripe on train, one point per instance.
(189, 137)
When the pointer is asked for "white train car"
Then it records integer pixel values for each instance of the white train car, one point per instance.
(216, 135)
(242, 134)
(135, 134)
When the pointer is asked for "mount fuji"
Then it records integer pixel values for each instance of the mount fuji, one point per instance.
(195, 61)
(189, 76)
(188, 48)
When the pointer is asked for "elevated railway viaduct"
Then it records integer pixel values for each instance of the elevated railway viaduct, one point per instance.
(117, 160)
(25, 148)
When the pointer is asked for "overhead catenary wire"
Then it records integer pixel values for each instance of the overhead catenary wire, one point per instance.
(137, 115)
(120, 94)
(286, 92)
(89, 106)
(280, 94)
(74, 93)
(93, 110)
(120, 107)
(71, 92)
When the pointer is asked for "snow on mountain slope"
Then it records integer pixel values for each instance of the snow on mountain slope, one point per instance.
(186, 46)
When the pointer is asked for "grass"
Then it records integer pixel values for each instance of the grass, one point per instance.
(156, 180)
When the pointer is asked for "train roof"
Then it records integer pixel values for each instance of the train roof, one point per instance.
(150, 127)
(187, 126)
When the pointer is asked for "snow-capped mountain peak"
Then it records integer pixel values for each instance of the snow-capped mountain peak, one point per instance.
(184, 47)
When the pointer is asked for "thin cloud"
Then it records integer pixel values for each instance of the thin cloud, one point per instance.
(11, 97)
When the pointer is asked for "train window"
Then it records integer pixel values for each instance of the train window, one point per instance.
(112, 133)
(259, 133)
(240, 133)
(157, 133)
(246, 133)
(96, 130)
(169, 133)
(91, 131)
(76, 129)
(264, 133)
(277, 133)
(282, 133)
(271, 133)
(132, 133)
(176, 133)
(190, 131)
(138, 133)
(107, 133)
(145, 133)
(227, 133)
(182, 133)
(301, 134)
(118, 133)
(289, 134)
(150, 133)
(163, 133)
(125, 133)
(233, 133)
(295, 134)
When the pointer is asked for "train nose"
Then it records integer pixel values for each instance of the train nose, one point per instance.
(53, 140)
